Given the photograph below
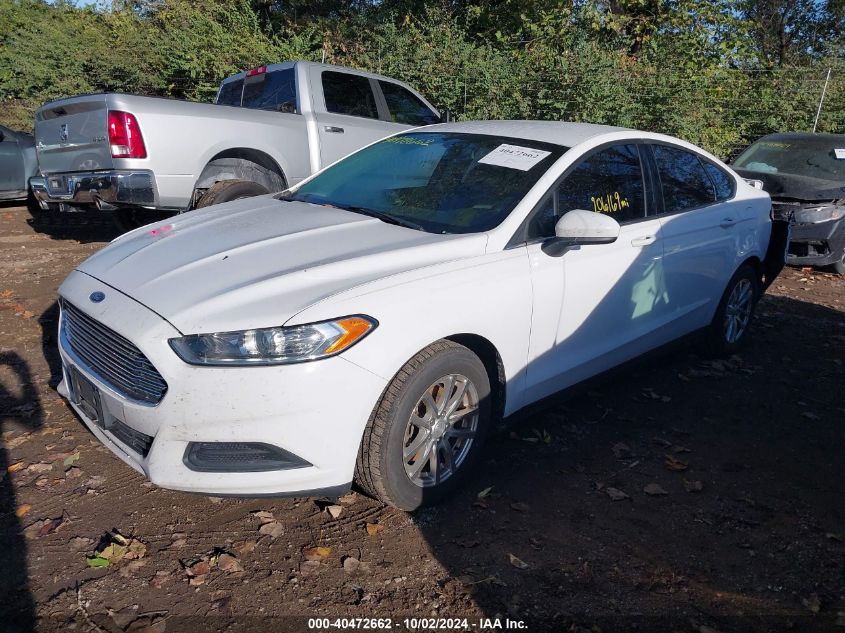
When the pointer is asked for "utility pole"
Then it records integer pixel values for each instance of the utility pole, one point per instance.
(819, 111)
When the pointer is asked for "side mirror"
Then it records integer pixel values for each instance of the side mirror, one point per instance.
(582, 227)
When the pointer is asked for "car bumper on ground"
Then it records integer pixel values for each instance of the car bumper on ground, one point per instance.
(819, 244)
(102, 189)
(310, 414)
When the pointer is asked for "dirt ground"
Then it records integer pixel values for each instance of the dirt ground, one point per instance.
(680, 494)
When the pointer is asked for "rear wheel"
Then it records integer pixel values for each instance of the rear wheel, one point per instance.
(427, 431)
(729, 329)
(228, 190)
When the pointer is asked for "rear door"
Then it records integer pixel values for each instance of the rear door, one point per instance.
(700, 229)
(72, 135)
(350, 118)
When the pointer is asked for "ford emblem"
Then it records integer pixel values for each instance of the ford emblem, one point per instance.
(97, 296)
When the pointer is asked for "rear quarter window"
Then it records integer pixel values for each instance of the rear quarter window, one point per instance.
(685, 183)
(725, 185)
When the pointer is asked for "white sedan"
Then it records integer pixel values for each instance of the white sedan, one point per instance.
(372, 323)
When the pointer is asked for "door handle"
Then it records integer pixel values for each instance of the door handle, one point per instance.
(727, 223)
(643, 241)
(333, 129)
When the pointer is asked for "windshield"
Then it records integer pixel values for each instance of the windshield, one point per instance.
(438, 182)
(821, 158)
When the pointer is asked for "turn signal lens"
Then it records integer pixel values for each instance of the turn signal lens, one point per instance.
(354, 328)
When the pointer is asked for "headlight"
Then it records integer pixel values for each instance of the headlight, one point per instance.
(819, 214)
(274, 345)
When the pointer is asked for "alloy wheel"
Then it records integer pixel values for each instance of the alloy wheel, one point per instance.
(440, 430)
(738, 310)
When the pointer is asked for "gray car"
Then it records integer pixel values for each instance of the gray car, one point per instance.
(17, 163)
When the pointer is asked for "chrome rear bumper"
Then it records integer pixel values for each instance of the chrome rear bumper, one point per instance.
(102, 189)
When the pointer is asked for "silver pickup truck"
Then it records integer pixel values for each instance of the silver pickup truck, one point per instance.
(270, 127)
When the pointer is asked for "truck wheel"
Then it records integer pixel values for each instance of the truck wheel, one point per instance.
(228, 190)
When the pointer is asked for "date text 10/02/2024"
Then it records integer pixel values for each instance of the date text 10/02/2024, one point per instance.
(417, 624)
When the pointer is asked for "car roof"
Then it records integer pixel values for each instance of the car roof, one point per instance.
(298, 62)
(558, 132)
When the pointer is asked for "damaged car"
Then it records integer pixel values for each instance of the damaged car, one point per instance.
(805, 175)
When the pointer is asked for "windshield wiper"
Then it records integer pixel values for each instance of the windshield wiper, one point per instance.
(381, 215)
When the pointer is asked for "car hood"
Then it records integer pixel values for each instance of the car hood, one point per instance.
(797, 187)
(257, 262)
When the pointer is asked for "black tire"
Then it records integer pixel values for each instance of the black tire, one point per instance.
(130, 218)
(228, 190)
(718, 341)
(380, 468)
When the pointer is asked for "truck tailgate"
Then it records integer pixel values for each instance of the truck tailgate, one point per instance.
(72, 135)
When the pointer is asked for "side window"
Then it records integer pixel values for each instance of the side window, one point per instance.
(405, 107)
(685, 183)
(349, 94)
(725, 185)
(610, 181)
(271, 91)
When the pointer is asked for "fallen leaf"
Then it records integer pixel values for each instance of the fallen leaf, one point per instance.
(127, 570)
(245, 548)
(70, 460)
(654, 490)
(264, 517)
(334, 510)
(273, 529)
(15, 467)
(135, 550)
(615, 494)
(97, 561)
(349, 498)
(693, 485)
(200, 568)
(374, 528)
(41, 467)
(517, 562)
(50, 526)
(675, 464)
(352, 565)
(229, 563)
(22, 509)
(484, 492)
(316, 553)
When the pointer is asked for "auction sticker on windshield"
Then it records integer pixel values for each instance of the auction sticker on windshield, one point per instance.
(840, 153)
(514, 156)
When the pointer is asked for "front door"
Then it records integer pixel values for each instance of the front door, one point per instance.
(595, 306)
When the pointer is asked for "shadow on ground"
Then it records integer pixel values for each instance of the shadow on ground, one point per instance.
(757, 548)
(20, 408)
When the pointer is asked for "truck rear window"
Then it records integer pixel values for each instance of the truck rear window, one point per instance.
(230, 93)
(275, 90)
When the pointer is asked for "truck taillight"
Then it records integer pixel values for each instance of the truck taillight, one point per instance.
(256, 71)
(125, 136)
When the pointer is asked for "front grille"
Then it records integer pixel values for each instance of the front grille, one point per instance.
(112, 357)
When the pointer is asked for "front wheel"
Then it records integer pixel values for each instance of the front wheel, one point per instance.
(729, 329)
(426, 433)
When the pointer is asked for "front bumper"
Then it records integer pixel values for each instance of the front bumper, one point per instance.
(100, 189)
(819, 244)
(316, 411)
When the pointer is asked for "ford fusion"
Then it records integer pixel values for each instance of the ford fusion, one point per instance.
(373, 322)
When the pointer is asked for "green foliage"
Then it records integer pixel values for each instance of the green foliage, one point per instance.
(703, 70)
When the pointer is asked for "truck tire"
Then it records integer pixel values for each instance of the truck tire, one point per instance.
(228, 190)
